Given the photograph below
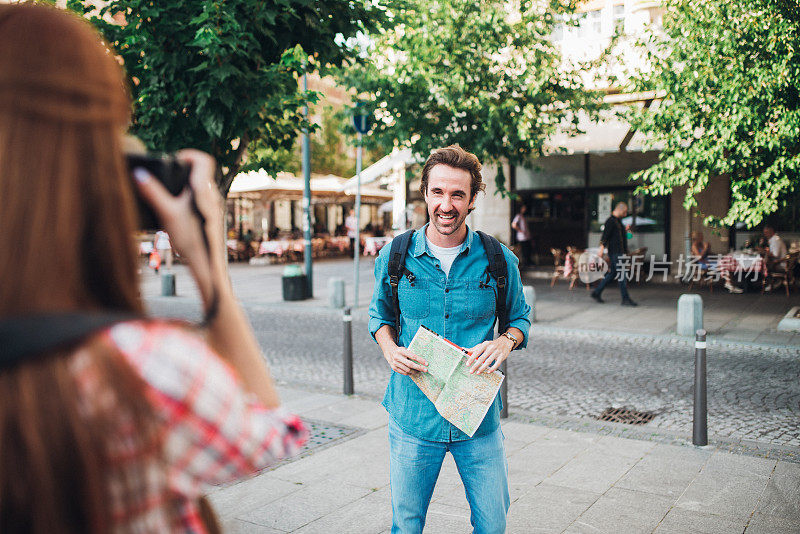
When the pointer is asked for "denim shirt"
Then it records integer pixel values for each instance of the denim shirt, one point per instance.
(460, 307)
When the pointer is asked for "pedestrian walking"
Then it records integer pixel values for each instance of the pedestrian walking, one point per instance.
(351, 224)
(615, 240)
(523, 234)
(164, 249)
(111, 421)
(447, 288)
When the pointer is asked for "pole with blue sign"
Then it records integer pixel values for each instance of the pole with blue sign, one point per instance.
(307, 197)
(362, 122)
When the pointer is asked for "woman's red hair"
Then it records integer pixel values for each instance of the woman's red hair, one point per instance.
(66, 225)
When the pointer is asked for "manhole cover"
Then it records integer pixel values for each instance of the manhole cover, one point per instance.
(323, 433)
(321, 436)
(626, 415)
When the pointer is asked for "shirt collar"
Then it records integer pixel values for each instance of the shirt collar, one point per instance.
(420, 244)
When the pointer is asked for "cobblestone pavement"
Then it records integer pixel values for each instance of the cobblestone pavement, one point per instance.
(753, 390)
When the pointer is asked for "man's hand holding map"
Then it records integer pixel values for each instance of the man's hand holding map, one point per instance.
(460, 397)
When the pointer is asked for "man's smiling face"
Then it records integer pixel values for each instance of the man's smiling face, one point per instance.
(449, 202)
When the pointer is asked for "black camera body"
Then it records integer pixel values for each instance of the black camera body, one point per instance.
(167, 169)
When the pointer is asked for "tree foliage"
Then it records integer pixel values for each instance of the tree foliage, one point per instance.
(221, 75)
(483, 74)
(729, 71)
(333, 145)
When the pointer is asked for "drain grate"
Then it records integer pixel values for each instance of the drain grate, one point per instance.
(626, 416)
(323, 433)
(321, 436)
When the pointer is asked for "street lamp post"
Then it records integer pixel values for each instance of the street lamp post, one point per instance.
(362, 122)
(307, 198)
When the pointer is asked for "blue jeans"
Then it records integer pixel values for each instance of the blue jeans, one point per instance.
(414, 466)
(612, 272)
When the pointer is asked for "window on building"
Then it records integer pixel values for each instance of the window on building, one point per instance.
(558, 32)
(619, 18)
(591, 24)
(596, 22)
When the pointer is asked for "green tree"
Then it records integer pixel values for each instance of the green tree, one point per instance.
(729, 71)
(483, 74)
(333, 145)
(222, 75)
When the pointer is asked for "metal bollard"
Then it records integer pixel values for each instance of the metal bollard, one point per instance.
(504, 390)
(700, 430)
(167, 284)
(348, 352)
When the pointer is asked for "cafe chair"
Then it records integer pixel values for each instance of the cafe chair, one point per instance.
(703, 278)
(558, 265)
(781, 278)
(637, 257)
(574, 275)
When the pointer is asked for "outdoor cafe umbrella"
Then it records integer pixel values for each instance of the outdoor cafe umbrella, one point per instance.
(287, 186)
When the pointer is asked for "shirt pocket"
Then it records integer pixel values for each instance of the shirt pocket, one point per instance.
(481, 301)
(414, 299)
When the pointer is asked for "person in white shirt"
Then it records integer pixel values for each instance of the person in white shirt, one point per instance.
(162, 245)
(776, 250)
(350, 224)
(520, 225)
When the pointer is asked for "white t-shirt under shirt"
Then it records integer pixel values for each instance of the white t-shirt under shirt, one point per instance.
(444, 255)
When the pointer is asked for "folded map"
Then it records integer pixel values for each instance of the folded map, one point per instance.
(460, 397)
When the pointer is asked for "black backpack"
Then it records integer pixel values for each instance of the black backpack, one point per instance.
(498, 269)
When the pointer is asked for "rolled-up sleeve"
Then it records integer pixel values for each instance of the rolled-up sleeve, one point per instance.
(381, 309)
(519, 312)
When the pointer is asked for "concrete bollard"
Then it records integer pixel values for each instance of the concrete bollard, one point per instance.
(690, 314)
(530, 298)
(336, 293)
(167, 284)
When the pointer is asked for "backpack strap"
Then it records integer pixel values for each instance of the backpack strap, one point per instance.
(498, 269)
(32, 336)
(397, 268)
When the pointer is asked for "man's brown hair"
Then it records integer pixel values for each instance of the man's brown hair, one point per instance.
(457, 157)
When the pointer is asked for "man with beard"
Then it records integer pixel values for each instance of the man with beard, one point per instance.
(447, 288)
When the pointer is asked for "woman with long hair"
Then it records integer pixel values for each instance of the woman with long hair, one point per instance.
(124, 431)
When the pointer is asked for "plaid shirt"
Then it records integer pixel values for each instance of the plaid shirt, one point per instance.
(213, 431)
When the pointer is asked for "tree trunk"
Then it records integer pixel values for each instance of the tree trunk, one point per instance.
(225, 178)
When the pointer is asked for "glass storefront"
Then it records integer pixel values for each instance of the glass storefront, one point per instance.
(555, 218)
(647, 217)
(569, 198)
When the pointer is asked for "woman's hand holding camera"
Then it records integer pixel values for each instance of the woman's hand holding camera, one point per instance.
(228, 331)
(180, 221)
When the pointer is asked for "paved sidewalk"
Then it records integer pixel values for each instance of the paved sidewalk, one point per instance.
(749, 317)
(561, 481)
(564, 477)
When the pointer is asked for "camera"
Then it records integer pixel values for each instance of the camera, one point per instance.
(167, 169)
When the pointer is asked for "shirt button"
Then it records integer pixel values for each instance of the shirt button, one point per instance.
(446, 315)
(447, 291)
